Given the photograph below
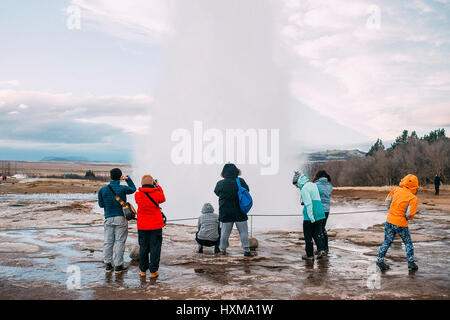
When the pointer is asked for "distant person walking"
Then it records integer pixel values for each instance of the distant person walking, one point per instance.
(323, 181)
(150, 224)
(402, 205)
(437, 183)
(208, 233)
(230, 212)
(116, 225)
(313, 216)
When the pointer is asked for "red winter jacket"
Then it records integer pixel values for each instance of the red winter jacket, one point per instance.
(149, 216)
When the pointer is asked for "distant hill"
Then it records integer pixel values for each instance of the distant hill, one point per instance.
(66, 159)
(332, 155)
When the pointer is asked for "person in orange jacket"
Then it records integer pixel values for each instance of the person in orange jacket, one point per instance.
(402, 204)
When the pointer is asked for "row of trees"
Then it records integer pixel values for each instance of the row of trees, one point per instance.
(409, 153)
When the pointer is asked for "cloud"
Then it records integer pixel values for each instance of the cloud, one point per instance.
(9, 83)
(375, 81)
(139, 20)
(437, 115)
(370, 80)
(43, 117)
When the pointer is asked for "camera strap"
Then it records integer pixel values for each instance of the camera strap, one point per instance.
(118, 199)
(157, 205)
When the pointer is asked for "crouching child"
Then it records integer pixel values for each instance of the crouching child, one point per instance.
(208, 233)
(402, 205)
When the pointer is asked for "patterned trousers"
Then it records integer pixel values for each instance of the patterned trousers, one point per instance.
(390, 231)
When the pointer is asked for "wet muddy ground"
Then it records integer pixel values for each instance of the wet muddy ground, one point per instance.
(39, 264)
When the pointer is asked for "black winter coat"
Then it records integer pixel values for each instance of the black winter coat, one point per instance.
(437, 181)
(227, 191)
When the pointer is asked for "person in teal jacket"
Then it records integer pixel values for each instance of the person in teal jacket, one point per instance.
(313, 217)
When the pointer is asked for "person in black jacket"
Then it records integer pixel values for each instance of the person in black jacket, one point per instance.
(229, 210)
(437, 183)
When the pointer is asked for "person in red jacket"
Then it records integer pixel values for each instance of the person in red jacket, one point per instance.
(149, 224)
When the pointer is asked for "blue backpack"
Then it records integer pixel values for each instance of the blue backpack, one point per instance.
(245, 199)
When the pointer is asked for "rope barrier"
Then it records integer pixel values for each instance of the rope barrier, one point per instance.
(186, 219)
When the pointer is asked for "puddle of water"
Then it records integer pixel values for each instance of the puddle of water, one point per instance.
(48, 197)
(278, 271)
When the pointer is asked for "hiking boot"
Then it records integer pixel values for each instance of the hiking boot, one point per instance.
(200, 249)
(305, 257)
(383, 266)
(108, 267)
(216, 250)
(248, 254)
(412, 266)
(321, 254)
(142, 274)
(154, 275)
(120, 269)
(223, 253)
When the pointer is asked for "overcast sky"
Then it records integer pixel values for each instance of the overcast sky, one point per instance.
(361, 70)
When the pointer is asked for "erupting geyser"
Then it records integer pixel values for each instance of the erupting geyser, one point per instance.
(223, 95)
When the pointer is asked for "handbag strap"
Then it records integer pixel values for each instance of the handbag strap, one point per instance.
(118, 199)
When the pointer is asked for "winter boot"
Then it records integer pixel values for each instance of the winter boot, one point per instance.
(108, 267)
(120, 269)
(383, 266)
(412, 266)
(321, 254)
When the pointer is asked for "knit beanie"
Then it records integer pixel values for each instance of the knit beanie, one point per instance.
(208, 208)
(147, 179)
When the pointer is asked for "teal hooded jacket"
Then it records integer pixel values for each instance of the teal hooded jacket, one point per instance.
(313, 208)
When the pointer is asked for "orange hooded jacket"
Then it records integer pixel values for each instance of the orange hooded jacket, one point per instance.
(402, 202)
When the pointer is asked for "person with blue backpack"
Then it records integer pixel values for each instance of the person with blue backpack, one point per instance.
(313, 216)
(234, 204)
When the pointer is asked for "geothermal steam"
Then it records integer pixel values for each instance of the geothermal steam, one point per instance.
(222, 67)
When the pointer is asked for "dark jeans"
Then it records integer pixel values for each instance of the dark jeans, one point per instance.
(436, 188)
(313, 231)
(150, 242)
(324, 231)
(207, 243)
